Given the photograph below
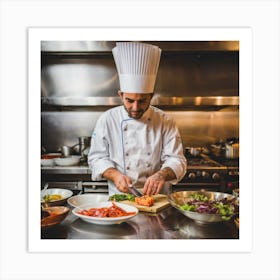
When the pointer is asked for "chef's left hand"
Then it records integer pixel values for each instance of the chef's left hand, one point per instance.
(154, 184)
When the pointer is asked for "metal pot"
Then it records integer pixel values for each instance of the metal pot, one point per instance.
(226, 149)
(194, 151)
(232, 151)
(84, 144)
(82, 148)
(67, 150)
(217, 150)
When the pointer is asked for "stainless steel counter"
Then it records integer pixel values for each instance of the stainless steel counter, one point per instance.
(79, 169)
(167, 224)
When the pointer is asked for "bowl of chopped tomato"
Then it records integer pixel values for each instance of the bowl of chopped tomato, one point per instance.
(105, 213)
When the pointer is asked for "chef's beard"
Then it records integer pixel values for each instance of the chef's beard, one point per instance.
(135, 114)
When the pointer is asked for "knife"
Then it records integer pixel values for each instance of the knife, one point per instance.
(134, 191)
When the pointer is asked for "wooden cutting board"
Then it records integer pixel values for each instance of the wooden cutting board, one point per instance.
(160, 202)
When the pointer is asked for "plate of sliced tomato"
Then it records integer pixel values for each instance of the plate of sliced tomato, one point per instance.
(105, 213)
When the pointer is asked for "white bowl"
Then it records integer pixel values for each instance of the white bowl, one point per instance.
(67, 161)
(86, 199)
(48, 159)
(105, 221)
(63, 192)
(47, 162)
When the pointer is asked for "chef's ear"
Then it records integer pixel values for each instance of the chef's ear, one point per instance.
(120, 93)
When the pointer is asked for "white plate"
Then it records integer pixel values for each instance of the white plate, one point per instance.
(47, 162)
(86, 199)
(67, 161)
(105, 221)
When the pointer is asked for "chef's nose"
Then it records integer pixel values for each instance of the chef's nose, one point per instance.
(135, 106)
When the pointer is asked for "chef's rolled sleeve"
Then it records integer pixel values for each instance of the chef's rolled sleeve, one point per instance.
(179, 167)
(98, 167)
(173, 153)
(99, 157)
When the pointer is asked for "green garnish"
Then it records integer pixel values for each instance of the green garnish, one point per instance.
(121, 197)
(199, 197)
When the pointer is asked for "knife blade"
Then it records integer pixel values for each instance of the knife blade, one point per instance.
(134, 191)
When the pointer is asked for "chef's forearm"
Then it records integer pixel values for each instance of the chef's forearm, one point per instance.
(111, 174)
(120, 180)
(167, 174)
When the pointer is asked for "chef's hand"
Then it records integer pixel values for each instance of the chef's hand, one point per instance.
(155, 183)
(120, 180)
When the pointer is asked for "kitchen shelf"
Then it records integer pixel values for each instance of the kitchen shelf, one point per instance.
(65, 170)
(157, 101)
(60, 48)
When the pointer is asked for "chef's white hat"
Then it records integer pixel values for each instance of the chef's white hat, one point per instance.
(137, 66)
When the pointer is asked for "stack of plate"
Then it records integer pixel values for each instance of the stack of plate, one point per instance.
(48, 159)
(67, 161)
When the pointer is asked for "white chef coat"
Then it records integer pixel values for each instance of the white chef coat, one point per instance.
(136, 147)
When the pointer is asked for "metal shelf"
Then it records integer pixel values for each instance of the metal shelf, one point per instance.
(105, 47)
(177, 101)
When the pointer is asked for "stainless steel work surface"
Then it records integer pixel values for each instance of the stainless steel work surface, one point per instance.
(167, 224)
(81, 169)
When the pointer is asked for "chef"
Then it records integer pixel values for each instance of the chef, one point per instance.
(136, 144)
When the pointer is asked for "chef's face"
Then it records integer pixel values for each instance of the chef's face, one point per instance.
(136, 104)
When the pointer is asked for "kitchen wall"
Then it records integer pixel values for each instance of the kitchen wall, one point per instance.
(181, 74)
(78, 85)
(196, 127)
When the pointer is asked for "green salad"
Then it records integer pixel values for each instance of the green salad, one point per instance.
(202, 204)
(121, 197)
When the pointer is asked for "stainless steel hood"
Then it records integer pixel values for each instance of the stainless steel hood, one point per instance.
(195, 74)
(82, 47)
(156, 101)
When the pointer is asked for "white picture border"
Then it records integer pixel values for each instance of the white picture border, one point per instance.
(36, 35)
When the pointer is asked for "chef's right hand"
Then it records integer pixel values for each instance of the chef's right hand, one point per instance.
(120, 180)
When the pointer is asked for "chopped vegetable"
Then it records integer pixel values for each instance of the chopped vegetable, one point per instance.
(145, 200)
(189, 207)
(199, 196)
(120, 197)
(226, 210)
